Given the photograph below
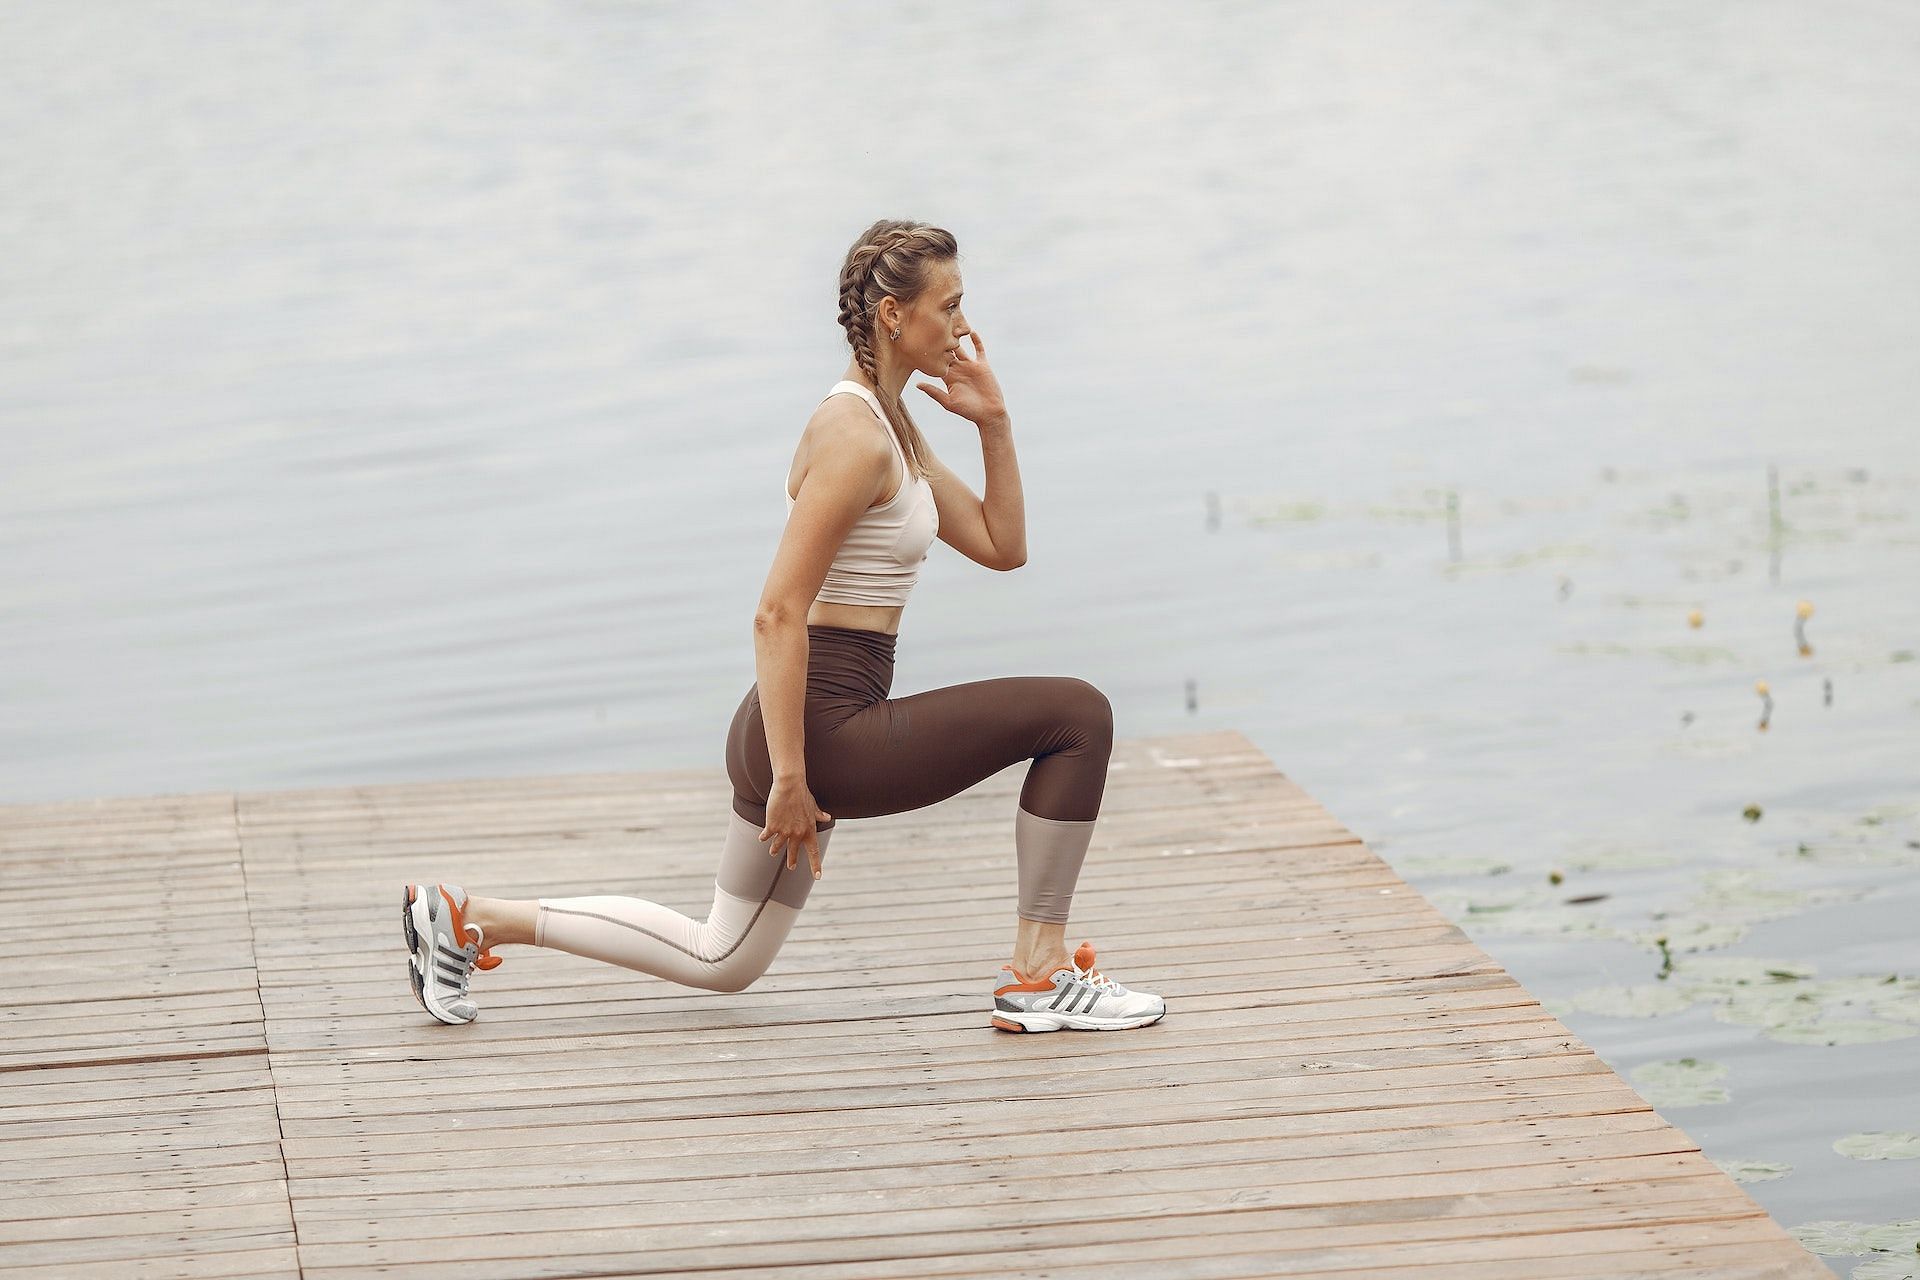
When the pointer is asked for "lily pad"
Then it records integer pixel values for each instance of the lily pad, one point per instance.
(1880, 1146)
(1787, 1005)
(1886, 996)
(1832, 1238)
(1741, 895)
(1680, 1082)
(1523, 909)
(1888, 1267)
(1716, 975)
(1895, 1237)
(1642, 1000)
(1754, 1170)
(1775, 1005)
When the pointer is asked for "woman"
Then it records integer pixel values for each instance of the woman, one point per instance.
(865, 498)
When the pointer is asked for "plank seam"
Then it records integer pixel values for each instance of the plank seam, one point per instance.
(273, 1081)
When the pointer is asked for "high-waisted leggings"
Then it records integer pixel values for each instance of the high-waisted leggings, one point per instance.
(867, 754)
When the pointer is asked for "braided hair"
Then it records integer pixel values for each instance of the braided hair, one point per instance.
(890, 259)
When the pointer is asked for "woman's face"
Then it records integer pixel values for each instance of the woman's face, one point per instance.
(931, 329)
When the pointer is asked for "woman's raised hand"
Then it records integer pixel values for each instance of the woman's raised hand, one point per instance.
(791, 814)
(972, 391)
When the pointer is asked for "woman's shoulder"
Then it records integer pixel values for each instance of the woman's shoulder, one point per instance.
(846, 438)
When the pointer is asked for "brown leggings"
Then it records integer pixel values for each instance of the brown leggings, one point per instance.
(866, 755)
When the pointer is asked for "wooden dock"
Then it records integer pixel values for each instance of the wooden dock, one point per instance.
(213, 1064)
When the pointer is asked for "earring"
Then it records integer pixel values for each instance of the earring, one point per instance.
(896, 333)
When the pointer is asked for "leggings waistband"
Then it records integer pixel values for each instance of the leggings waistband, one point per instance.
(877, 641)
(848, 663)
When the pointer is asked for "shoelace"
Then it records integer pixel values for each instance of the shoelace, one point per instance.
(476, 955)
(479, 958)
(1094, 978)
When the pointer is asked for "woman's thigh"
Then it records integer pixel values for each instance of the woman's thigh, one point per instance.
(899, 754)
(905, 753)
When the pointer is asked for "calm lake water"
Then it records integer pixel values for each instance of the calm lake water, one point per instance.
(404, 392)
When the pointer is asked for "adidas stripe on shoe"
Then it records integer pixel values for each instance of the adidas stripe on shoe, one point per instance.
(442, 950)
(1076, 997)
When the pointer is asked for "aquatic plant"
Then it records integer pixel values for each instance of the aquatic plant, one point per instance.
(1801, 612)
(1680, 1082)
(1879, 1146)
(1753, 1170)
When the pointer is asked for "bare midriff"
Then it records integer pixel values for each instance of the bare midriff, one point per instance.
(860, 617)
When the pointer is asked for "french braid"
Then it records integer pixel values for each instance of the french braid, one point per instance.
(890, 259)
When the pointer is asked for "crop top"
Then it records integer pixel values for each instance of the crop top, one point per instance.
(880, 559)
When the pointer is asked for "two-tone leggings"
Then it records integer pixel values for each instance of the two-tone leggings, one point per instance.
(866, 755)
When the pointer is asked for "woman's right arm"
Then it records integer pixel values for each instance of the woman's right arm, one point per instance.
(780, 664)
(849, 464)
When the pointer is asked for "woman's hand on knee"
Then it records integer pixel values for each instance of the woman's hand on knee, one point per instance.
(791, 815)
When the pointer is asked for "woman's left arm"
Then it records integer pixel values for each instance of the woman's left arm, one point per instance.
(990, 531)
(993, 531)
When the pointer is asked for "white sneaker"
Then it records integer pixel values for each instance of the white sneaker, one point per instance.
(1076, 997)
(441, 955)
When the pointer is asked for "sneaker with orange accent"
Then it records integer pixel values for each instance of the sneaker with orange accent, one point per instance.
(1077, 997)
(441, 954)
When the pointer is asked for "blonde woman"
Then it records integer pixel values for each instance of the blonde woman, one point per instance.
(817, 738)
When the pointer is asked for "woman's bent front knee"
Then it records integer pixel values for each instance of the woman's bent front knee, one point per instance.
(1093, 710)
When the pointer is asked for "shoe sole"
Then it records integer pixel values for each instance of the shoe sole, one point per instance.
(415, 964)
(1067, 1022)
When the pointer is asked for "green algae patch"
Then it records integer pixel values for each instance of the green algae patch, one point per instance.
(1825, 854)
(1838, 1031)
(1696, 655)
(1618, 860)
(1607, 648)
(1443, 864)
(1266, 512)
(1689, 935)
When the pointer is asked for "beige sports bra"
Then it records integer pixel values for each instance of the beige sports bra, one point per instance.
(880, 559)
